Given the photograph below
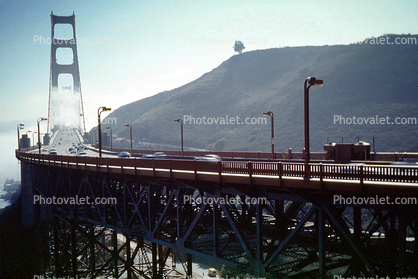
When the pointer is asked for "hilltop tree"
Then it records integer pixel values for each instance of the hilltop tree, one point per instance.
(239, 46)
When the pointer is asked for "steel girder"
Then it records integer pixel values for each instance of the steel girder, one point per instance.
(287, 234)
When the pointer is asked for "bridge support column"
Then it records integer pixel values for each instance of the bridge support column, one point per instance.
(73, 247)
(416, 235)
(57, 263)
(27, 195)
(115, 254)
(259, 238)
(55, 116)
(128, 258)
(392, 241)
(321, 249)
(189, 266)
(357, 225)
(280, 217)
(402, 245)
(154, 261)
(215, 220)
(92, 249)
(357, 235)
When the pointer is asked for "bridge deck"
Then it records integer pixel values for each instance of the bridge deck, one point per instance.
(327, 178)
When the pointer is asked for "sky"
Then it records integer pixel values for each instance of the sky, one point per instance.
(135, 49)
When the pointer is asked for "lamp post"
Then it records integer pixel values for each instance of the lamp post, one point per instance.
(269, 113)
(99, 111)
(39, 132)
(181, 128)
(28, 139)
(311, 81)
(19, 127)
(110, 128)
(130, 131)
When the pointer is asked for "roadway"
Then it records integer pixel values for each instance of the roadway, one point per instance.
(63, 139)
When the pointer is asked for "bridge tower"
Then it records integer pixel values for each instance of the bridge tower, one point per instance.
(65, 107)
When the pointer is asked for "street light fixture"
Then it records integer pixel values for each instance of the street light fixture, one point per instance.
(110, 128)
(39, 132)
(99, 111)
(311, 81)
(130, 131)
(269, 113)
(19, 127)
(181, 125)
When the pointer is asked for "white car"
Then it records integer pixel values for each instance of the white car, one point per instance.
(155, 155)
(81, 153)
(209, 157)
(124, 155)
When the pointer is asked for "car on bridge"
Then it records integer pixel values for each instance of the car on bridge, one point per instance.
(160, 155)
(81, 153)
(212, 272)
(406, 162)
(209, 157)
(124, 155)
(53, 151)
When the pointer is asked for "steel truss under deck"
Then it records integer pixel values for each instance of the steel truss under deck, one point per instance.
(285, 234)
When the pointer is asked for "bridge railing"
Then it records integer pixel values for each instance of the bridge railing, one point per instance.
(379, 173)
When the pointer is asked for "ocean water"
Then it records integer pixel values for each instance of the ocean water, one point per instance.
(9, 165)
(3, 203)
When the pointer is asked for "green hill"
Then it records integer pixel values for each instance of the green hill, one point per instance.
(360, 80)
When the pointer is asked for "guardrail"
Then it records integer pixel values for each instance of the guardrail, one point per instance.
(165, 168)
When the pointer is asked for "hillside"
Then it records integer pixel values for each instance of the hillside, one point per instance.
(360, 80)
